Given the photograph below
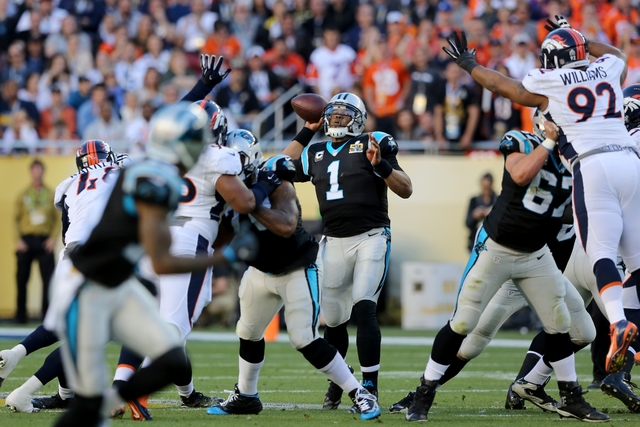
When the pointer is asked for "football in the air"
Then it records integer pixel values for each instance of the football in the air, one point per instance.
(309, 106)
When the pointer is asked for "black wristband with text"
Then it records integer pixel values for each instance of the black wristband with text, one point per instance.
(305, 136)
(383, 169)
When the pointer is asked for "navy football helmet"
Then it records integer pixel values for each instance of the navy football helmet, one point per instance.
(217, 119)
(92, 152)
(632, 106)
(564, 48)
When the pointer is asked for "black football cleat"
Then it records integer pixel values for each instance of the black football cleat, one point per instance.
(535, 394)
(422, 401)
(619, 385)
(573, 405)
(513, 400)
(333, 396)
(402, 405)
(53, 402)
(237, 404)
(197, 400)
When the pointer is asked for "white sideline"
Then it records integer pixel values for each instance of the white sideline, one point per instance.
(21, 333)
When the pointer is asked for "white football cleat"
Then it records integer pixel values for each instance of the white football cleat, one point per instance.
(8, 361)
(20, 401)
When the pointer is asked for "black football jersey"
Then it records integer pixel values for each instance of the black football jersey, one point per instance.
(110, 254)
(526, 218)
(351, 196)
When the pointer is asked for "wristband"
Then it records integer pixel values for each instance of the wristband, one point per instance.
(260, 192)
(229, 254)
(549, 144)
(383, 169)
(305, 136)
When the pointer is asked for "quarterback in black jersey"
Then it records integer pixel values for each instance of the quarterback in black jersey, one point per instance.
(96, 297)
(285, 272)
(351, 173)
(512, 244)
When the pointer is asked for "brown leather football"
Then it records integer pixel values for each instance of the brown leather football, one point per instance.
(309, 106)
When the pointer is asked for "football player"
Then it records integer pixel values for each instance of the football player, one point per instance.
(512, 244)
(351, 174)
(286, 272)
(585, 100)
(95, 296)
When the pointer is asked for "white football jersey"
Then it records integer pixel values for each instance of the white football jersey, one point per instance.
(586, 105)
(82, 197)
(199, 198)
(635, 134)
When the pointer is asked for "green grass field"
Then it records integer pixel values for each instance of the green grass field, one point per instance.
(292, 390)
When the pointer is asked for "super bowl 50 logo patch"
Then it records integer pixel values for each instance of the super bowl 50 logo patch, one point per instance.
(319, 156)
(358, 147)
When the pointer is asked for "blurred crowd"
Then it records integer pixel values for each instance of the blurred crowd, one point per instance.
(81, 69)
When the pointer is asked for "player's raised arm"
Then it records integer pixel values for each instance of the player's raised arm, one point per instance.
(302, 139)
(490, 79)
(387, 168)
(211, 77)
(598, 49)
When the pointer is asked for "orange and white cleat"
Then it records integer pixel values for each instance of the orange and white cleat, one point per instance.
(140, 409)
(622, 335)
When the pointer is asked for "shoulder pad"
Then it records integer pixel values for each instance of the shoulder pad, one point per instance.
(282, 165)
(221, 160)
(386, 141)
(153, 182)
(518, 142)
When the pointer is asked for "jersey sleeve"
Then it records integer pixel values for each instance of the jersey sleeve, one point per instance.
(224, 161)
(613, 65)
(539, 81)
(61, 193)
(515, 142)
(388, 148)
(302, 166)
(153, 183)
(282, 165)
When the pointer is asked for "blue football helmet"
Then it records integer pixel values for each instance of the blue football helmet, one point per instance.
(631, 106)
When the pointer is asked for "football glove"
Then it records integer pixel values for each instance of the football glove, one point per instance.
(465, 58)
(243, 246)
(561, 22)
(270, 179)
(211, 75)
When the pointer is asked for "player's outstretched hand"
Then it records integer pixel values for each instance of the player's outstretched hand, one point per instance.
(465, 58)
(270, 179)
(211, 75)
(243, 246)
(373, 152)
(315, 127)
(561, 22)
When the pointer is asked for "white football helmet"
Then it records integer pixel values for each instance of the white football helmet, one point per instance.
(178, 134)
(248, 146)
(538, 124)
(345, 103)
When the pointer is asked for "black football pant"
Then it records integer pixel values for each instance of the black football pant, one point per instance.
(46, 263)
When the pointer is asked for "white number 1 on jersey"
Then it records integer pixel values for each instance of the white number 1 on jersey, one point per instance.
(334, 192)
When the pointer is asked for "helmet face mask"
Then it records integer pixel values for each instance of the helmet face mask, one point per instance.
(92, 152)
(538, 124)
(344, 105)
(217, 120)
(248, 147)
(632, 106)
(564, 48)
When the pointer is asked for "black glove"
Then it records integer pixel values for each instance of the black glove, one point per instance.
(561, 22)
(244, 245)
(211, 70)
(270, 179)
(465, 58)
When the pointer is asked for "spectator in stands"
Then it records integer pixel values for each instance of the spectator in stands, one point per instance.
(478, 39)
(426, 86)
(57, 73)
(458, 12)
(301, 11)
(130, 110)
(78, 97)
(244, 24)
(444, 18)
(10, 104)
(60, 132)
(176, 9)
(522, 60)
(80, 59)
(57, 42)
(20, 136)
(499, 114)
(178, 74)
(170, 94)
(30, 91)
(90, 109)
(427, 130)
(330, 65)
(8, 21)
(125, 71)
(37, 225)
(264, 83)
(479, 207)
(312, 30)
(222, 43)
(633, 64)
(114, 92)
(496, 53)
(382, 8)
(49, 19)
(363, 21)
(193, 29)
(116, 47)
(59, 111)
(238, 98)
(458, 118)
(137, 131)
(151, 88)
(421, 9)
(155, 57)
(591, 27)
(106, 126)
(144, 31)
(88, 13)
(385, 86)
(17, 70)
(523, 13)
(286, 64)
(33, 30)
(620, 17)
(162, 26)
(107, 29)
(126, 14)
(406, 128)
(342, 14)
(35, 55)
(272, 26)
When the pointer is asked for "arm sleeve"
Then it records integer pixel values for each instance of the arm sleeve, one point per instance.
(388, 149)
(300, 175)
(198, 92)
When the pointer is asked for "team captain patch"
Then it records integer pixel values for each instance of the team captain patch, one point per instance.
(358, 147)
(319, 156)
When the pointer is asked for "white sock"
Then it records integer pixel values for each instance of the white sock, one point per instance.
(612, 298)
(65, 393)
(632, 350)
(565, 369)
(146, 362)
(338, 372)
(20, 352)
(434, 370)
(185, 390)
(30, 386)
(123, 373)
(539, 373)
(248, 376)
